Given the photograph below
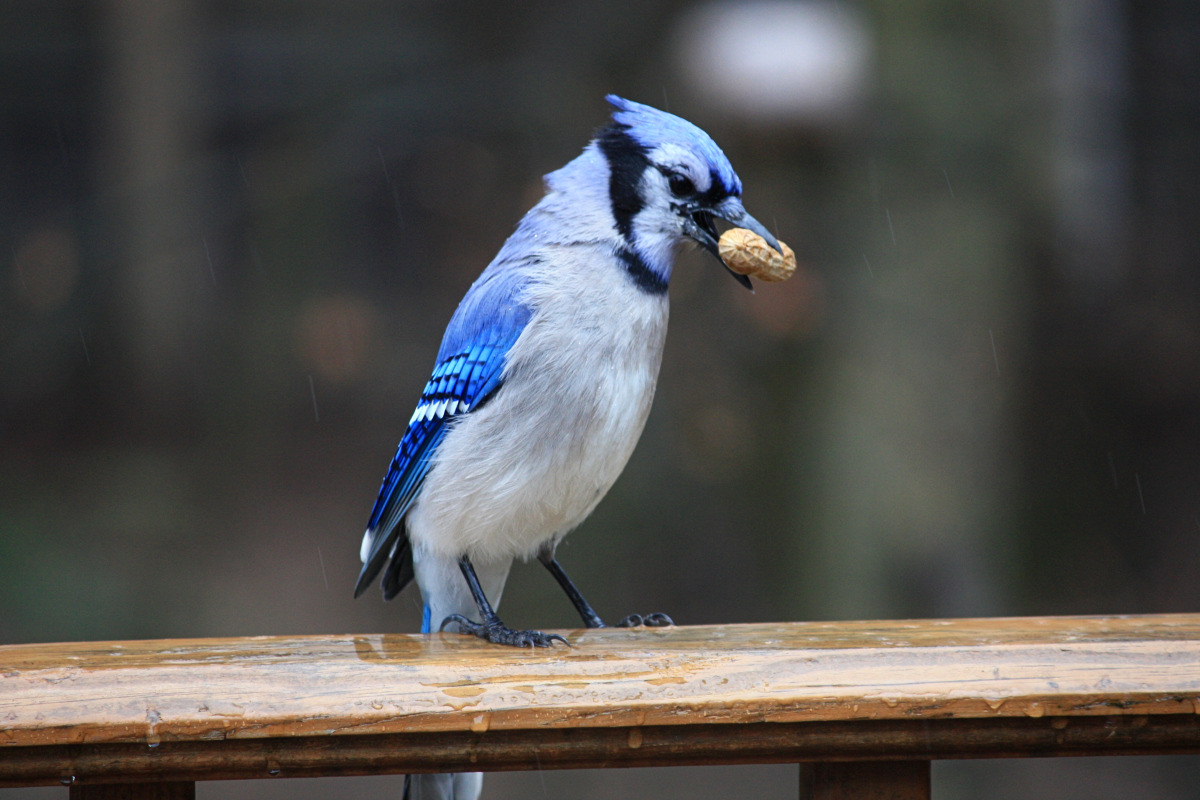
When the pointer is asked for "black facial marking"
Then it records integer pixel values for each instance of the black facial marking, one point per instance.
(716, 191)
(626, 162)
(643, 276)
(682, 188)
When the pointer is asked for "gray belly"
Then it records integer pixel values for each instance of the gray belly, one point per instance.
(534, 461)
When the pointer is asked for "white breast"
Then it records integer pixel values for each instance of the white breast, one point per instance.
(535, 460)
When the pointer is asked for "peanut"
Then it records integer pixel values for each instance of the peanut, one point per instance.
(747, 253)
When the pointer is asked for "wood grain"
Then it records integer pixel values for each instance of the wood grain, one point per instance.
(208, 708)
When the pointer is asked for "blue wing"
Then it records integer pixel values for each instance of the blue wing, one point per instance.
(468, 372)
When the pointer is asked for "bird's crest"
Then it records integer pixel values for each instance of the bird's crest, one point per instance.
(653, 128)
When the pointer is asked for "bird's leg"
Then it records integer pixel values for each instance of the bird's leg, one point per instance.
(590, 618)
(492, 629)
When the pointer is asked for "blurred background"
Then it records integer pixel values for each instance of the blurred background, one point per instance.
(231, 234)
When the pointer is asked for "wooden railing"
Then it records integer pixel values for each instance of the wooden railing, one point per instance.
(864, 706)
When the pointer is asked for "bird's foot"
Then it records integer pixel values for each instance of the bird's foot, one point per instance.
(649, 621)
(497, 632)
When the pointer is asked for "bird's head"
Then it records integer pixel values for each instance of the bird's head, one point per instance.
(669, 183)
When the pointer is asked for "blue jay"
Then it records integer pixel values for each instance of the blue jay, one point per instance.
(543, 382)
(545, 375)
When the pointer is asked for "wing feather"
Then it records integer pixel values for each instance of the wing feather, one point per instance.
(469, 370)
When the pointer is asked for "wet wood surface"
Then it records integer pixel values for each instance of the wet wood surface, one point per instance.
(327, 705)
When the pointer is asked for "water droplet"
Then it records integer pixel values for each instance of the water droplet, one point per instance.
(1035, 710)
(67, 780)
(635, 738)
(481, 723)
(273, 771)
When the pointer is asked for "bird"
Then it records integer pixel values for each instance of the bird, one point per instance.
(544, 379)
(546, 373)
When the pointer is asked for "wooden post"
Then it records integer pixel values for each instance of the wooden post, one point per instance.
(171, 790)
(865, 780)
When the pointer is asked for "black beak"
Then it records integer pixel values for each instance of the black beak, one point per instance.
(731, 210)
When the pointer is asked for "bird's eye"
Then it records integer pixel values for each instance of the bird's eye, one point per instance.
(681, 185)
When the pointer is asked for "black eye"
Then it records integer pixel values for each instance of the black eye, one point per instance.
(681, 185)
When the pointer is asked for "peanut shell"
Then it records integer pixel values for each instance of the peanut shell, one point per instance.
(747, 253)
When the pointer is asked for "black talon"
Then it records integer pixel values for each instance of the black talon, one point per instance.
(590, 618)
(655, 620)
(496, 632)
(492, 629)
